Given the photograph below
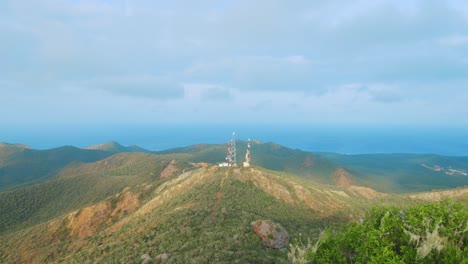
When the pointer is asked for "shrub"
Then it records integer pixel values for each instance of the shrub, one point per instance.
(426, 233)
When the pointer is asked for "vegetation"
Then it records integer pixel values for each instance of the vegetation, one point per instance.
(426, 233)
(79, 185)
(390, 173)
(24, 166)
(115, 147)
(102, 206)
(404, 172)
(205, 222)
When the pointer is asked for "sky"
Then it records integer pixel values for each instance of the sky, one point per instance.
(373, 62)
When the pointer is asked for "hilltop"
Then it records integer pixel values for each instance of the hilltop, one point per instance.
(394, 173)
(21, 165)
(115, 147)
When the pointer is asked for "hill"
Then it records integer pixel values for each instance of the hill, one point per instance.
(405, 172)
(174, 204)
(20, 165)
(397, 173)
(9, 149)
(79, 185)
(115, 147)
(270, 156)
(200, 216)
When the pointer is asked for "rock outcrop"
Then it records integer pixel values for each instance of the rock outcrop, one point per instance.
(145, 259)
(273, 234)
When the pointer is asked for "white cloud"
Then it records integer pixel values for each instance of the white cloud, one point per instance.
(454, 40)
(373, 92)
(200, 92)
(264, 55)
(146, 86)
(298, 59)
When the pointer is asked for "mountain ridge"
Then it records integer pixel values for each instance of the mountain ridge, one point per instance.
(113, 146)
(384, 172)
(191, 212)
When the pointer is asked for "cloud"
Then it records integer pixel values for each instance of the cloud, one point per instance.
(146, 86)
(384, 93)
(283, 52)
(216, 93)
(262, 105)
(454, 40)
(256, 72)
(373, 92)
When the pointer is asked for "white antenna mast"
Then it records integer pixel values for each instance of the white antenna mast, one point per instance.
(247, 155)
(233, 150)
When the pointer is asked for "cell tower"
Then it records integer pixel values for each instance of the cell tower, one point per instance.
(233, 150)
(247, 155)
(228, 157)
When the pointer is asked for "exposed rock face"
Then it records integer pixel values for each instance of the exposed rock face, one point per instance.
(170, 170)
(145, 259)
(273, 234)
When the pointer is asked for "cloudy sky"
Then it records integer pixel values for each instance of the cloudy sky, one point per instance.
(307, 62)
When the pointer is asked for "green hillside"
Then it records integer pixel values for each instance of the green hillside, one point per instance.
(8, 149)
(25, 166)
(115, 147)
(267, 155)
(397, 173)
(405, 172)
(130, 205)
(201, 216)
(21, 165)
(79, 185)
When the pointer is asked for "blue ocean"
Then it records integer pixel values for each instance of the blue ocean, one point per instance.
(341, 139)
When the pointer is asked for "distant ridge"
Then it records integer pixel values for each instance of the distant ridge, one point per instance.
(7, 149)
(390, 173)
(14, 145)
(115, 147)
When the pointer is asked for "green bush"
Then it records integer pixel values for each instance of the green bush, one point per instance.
(426, 233)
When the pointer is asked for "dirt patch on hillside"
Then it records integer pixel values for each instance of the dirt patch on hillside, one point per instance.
(127, 203)
(268, 185)
(168, 190)
(186, 206)
(343, 178)
(322, 201)
(201, 164)
(360, 191)
(86, 221)
(169, 171)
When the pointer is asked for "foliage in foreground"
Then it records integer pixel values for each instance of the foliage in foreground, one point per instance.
(426, 233)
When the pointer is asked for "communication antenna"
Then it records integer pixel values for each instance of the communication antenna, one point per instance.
(229, 157)
(233, 150)
(247, 155)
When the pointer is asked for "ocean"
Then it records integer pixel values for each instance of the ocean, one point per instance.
(340, 139)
